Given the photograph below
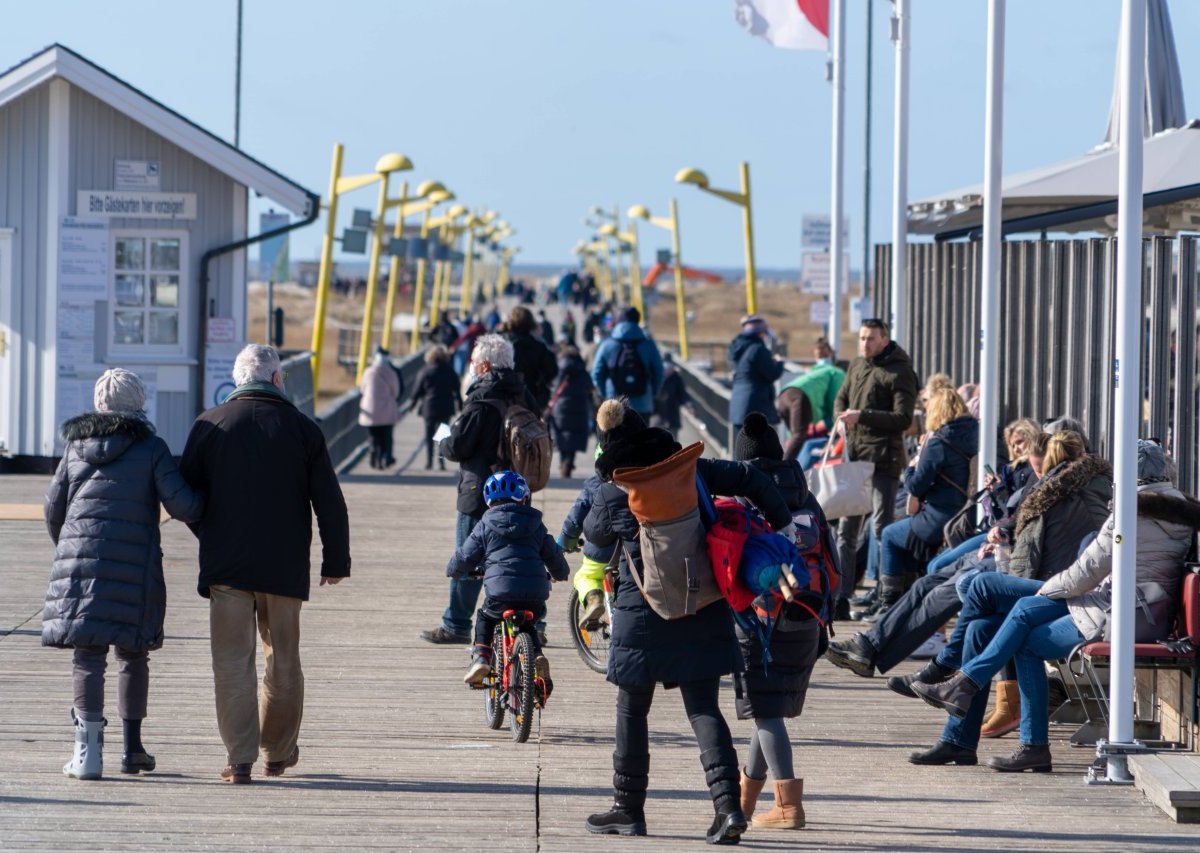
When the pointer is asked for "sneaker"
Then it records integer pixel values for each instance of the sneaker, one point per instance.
(440, 636)
(476, 673)
(931, 647)
(866, 598)
(592, 610)
(541, 668)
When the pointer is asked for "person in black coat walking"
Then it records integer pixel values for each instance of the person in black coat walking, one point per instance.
(107, 587)
(571, 409)
(770, 692)
(755, 372)
(437, 397)
(691, 653)
(671, 397)
(532, 359)
(265, 468)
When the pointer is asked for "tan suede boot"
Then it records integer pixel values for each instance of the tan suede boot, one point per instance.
(1006, 716)
(789, 807)
(751, 788)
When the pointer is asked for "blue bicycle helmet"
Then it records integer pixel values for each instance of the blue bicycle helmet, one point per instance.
(505, 484)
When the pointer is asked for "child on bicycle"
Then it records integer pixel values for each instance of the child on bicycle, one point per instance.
(512, 550)
(589, 579)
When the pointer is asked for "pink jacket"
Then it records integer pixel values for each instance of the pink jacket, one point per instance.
(380, 388)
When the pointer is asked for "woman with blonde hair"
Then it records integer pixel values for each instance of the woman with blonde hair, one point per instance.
(938, 485)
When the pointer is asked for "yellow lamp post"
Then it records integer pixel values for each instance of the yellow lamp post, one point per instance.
(339, 184)
(406, 206)
(447, 227)
(466, 293)
(630, 238)
(506, 255)
(387, 164)
(435, 198)
(671, 224)
(742, 199)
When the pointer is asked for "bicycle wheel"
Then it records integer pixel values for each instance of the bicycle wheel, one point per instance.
(520, 688)
(591, 645)
(494, 698)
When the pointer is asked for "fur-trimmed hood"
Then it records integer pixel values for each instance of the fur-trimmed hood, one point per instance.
(1067, 480)
(101, 437)
(1170, 506)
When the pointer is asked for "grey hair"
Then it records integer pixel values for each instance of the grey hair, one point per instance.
(255, 363)
(493, 349)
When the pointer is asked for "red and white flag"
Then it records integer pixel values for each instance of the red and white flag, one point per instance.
(794, 24)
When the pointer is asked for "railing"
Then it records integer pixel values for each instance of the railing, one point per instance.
(297, 381)
(710, 406)
(1056, 331)
(339, 420)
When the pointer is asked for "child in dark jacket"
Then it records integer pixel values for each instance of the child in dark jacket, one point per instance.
(512, 550)
(589, 580)
(769, 695)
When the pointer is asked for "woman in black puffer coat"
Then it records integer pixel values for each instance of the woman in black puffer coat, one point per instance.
(771, 693)
(571, 409)
(437, 397)
(107, 587)
(691, 652)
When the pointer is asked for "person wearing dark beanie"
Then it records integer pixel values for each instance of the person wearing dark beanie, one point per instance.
(756, 439)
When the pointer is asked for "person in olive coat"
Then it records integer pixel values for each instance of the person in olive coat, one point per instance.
(691, 653)
(107, 587)
(571, 409)
(437, 397)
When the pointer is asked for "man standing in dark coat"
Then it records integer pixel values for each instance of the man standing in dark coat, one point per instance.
(532, 359)
(754, 373)
(474, 443)
(875, 404)
(264, 466)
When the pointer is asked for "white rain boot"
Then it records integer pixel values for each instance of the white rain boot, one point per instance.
(87, 762)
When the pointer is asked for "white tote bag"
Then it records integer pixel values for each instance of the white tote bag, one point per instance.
(842, 487)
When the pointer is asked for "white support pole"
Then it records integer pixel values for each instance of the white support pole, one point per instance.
(1127, 379)
(837, 248)
(900, 31)
(993, 163)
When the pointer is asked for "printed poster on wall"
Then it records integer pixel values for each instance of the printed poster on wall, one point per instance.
(83, 264)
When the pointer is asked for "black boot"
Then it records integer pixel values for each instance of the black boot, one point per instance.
(932, 673)
(867, 597)
(1027, 757)
(855, 654)
(135, 758)
(724, 785)
(627, 816)
(891, 589)
(953, 696)
(945, 753)
(841, 610)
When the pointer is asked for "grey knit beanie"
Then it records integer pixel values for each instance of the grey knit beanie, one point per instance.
(119, 390)
(1152, 463)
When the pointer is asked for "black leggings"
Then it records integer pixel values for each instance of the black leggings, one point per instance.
(431, 426)
(631, 760)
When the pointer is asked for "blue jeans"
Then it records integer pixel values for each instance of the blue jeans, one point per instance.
(947, 557)
(990, 594)
(894, 557)
(464, 592)
(977, 634)
(1037, 629)
(809, 450)
(873, 558)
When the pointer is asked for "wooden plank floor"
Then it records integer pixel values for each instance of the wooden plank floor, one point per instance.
(396, 755)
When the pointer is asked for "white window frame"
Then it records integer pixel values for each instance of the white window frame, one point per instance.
(147, 350)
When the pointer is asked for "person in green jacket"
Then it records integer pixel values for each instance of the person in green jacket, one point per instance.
(809, 398)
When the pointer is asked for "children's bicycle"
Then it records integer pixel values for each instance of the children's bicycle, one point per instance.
(514, 685)
(592, 640)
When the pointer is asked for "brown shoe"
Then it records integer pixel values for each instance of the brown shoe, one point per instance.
(238, 774)
(276, 768)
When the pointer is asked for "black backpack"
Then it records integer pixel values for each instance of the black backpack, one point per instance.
(626, 370)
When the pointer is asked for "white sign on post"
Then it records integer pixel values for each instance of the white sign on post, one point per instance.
(218, 372)
(138, 175)
(860, 309)
(814, 272)
(133, 204)
(818, 312)
(816, 233)
(221, 330)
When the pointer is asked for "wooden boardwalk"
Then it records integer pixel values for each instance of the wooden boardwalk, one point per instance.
(396, 755)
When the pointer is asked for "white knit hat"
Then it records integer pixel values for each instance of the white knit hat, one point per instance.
(119, 390)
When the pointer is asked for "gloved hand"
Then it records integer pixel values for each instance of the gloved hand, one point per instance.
(568, 544)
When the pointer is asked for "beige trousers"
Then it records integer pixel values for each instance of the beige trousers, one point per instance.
(246, 720)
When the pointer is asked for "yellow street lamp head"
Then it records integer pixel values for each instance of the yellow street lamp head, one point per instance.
(439, 196)
(427, 188)
(692, 176)
(392, 163)
(608, 230)
(638, 211)
(489, 216)
(456, 211)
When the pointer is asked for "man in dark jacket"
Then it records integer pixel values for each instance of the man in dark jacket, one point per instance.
(532, 359)
(875, 404)
(474, 443)
(260, 460)
(754, 373)
(629, 365)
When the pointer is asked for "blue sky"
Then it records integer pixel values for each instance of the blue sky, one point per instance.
(543, 108)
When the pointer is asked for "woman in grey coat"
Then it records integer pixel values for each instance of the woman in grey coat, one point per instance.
(106, 587)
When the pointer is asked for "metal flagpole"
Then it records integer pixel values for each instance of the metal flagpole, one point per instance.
(1127, 379)
(900, 31)
(237, 83)
(866, 223)
(993, 160)
(837, 238)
